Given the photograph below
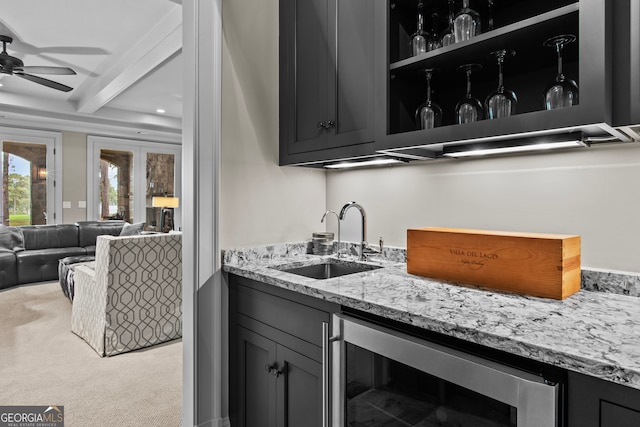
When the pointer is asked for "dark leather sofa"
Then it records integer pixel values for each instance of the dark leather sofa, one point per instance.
(30, 253)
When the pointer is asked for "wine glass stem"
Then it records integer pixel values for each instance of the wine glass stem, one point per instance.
(559, 50)
(451, 14)
(428, 88)
(468, 84)
(500, 77)
(490, 7)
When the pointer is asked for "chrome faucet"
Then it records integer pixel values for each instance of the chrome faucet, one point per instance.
(363, 243)
(338, 218)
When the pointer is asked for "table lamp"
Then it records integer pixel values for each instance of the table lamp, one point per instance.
(166, 216)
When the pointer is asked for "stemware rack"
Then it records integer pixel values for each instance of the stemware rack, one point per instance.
(520, 25)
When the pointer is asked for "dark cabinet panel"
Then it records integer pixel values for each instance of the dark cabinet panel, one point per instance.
(311, 73)
(593, 402)
(327, 79)
(275, 360)
(257, 401)
(612, 415)
(300, 390)
(626, 60)
(355, 72)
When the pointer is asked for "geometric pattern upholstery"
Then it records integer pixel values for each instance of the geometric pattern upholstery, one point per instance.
(133, 297)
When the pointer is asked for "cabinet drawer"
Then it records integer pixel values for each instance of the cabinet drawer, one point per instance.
(288, 316)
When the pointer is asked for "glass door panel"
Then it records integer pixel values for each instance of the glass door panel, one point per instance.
(160, 173)
(384, 392)
(116, 185)
(24, 183)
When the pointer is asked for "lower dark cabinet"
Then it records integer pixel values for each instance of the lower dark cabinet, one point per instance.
(277, 386)
(299, 396)
(275, 358)
(256, 387)
(597, 403)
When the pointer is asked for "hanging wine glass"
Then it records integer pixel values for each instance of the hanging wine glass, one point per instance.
(428, 114)
(490, 13)
(433, 41)
(562, 92)
(466, 23)
(469, 109)
(419, 38)
(448, 35)
(501, 102)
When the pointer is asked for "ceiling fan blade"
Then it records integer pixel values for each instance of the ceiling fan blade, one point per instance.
(30, 49)
(60, 71)
(45, 82)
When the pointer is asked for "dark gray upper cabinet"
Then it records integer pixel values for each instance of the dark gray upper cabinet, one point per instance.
(327, 79)
(626, 60)
(521, 26)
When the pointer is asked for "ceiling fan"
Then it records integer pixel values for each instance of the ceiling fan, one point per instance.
(14, 66)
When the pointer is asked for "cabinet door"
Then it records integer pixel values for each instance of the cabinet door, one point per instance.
(304, 74)
(593, 402)
(327, 79)
(256, 387)
(612, 415)
(352, 110)
(299, 390)
(626, 64)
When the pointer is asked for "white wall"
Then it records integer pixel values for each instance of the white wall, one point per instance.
(260, 202)
(592, 192)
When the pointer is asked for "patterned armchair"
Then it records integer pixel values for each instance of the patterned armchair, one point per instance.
(133, 297)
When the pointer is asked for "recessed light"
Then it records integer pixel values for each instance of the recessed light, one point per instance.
(160, 110)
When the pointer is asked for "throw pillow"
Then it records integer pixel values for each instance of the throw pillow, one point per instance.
(11, 238)
(132, 229)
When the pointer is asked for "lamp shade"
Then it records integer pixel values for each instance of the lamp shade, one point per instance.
(165, 202)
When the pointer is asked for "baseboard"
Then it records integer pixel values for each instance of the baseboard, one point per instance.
(219, 422)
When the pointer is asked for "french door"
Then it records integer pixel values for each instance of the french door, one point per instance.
(29, 170)
(124, 176)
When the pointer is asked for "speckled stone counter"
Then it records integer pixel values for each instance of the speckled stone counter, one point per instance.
(595, 333)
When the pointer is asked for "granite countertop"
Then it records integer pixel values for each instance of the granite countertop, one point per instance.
(592, 332)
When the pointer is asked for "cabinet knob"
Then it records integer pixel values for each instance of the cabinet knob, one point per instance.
(273, 370)
(326, 125)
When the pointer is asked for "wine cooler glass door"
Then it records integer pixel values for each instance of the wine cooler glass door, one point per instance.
(384, 377)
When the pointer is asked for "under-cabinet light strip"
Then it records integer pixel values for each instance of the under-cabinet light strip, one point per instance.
(515, 149)
(375, 162)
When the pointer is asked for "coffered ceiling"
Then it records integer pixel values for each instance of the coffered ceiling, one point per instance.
(126, 55)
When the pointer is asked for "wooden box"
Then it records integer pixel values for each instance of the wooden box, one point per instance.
(544, 265)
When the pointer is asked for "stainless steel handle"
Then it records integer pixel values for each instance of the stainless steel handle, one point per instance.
(325, 373)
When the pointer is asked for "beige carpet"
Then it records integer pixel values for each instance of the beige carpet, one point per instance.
(43, 363)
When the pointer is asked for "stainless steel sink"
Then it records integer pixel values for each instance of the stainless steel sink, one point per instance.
(329, 269)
